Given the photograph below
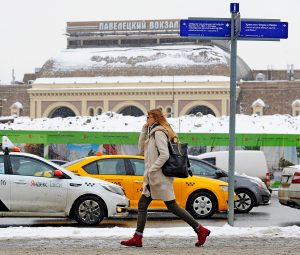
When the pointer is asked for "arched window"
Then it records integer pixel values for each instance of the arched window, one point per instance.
(168, 111)
(91, 112)
(160, 107)
(99, 111)
(62, 112)
(203, 109)
(131, 111)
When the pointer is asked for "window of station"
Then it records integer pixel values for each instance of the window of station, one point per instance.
(74, 43)
(137, 42)
(169, 111)
(203, 109)
(99, 111)
(176, 40)
(91, 112)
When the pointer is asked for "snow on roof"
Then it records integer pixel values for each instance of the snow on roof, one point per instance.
(258, 102)
(296, 103)
(132, 79)
(112, 122)
(158, 56)
(17, 105)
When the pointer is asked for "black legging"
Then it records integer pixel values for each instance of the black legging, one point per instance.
(172, 206)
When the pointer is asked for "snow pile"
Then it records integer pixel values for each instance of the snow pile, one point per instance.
(71, 232)
(112, 122)
(158, 56)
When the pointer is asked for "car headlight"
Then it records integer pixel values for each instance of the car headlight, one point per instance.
(259, 183)
(224, 188)
(114, 189)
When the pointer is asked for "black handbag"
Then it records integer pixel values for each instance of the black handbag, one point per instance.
(178, 163)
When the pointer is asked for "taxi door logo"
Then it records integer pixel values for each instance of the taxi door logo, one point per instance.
(38, 184)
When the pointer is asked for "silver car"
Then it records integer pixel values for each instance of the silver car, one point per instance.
(250, 191)
(289, 190)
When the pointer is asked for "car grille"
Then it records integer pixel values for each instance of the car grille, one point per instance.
(265, 199)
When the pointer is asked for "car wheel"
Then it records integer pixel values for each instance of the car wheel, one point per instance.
(244, 202)
(202, 205)
(89, 210)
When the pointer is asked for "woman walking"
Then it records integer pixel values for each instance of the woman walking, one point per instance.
(153, 144)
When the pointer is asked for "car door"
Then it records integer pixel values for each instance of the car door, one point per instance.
(4, 185)
(138, 169)
(112, 170)
(34, 188)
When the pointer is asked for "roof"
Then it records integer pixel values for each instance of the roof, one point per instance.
(166, 60)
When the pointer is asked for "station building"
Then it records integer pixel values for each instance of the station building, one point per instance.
(132, 66)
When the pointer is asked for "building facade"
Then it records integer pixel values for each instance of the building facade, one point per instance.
(14, 100)
(269, 97)
(131, 66)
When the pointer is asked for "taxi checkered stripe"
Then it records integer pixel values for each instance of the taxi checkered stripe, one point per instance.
(190, 183)
(90, 184)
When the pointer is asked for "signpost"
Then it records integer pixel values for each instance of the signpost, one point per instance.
(233, 29)
(220, 29)
(262, 30)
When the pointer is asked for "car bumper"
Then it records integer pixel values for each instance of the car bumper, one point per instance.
(289, 198)
(121, 211)
(117, 206)
(263, 196)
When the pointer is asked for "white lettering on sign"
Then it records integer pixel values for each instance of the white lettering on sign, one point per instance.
(259, 26)
(139, 25)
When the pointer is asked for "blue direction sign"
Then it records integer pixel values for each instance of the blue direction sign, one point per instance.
(263, 30)
(221, 29)
(205, 28)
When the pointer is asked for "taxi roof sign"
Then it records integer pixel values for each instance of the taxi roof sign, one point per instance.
(6, 143)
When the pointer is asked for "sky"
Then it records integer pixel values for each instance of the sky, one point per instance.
(71, 232)
(33, 31)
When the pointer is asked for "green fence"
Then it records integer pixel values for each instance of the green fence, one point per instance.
(86, 137)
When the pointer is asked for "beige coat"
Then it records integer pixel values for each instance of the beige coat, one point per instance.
(161, 187)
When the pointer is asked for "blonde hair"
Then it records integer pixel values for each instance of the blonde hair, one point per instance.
(161, 120)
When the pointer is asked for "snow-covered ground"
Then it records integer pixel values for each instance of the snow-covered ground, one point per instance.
(72, 232)
(112, 122)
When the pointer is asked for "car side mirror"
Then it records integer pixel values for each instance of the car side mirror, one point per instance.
(220, 173)
(58, 174)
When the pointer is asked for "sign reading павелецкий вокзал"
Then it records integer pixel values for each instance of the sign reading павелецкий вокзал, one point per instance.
(138, 25)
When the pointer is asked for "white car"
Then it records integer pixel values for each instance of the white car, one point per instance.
(35, 187)
(289, 190)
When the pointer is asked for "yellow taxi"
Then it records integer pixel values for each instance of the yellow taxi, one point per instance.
(201, 196)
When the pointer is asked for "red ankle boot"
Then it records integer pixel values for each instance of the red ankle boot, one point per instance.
(136, 241)
(202, 233)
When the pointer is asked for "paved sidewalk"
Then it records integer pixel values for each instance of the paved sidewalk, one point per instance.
(162, 246)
